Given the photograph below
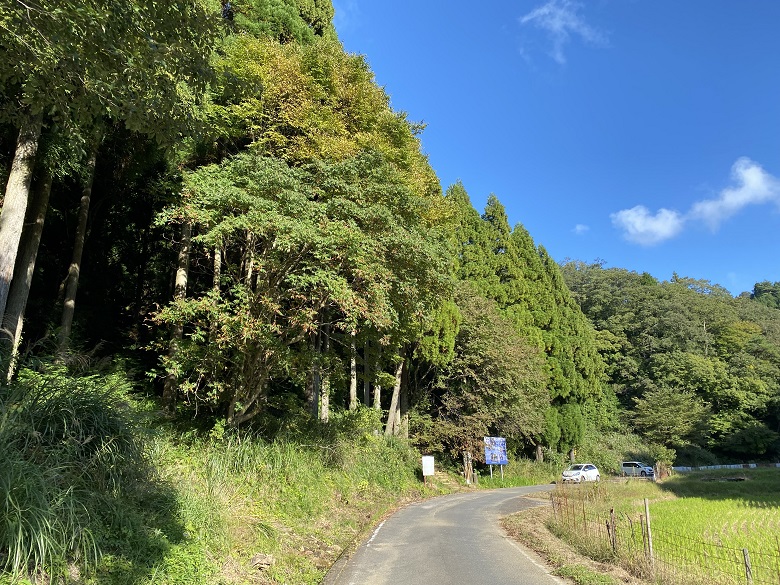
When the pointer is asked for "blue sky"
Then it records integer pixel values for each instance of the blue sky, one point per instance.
(644, 133)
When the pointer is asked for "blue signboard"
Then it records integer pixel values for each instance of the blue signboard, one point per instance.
(495, 451)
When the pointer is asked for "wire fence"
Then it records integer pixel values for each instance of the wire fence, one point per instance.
(659, 555)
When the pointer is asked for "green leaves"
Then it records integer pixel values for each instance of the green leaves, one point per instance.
(77, 61)
(343, 241)
(495, 382)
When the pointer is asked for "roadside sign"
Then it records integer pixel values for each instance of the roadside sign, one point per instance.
(427, 465)
(495, 451)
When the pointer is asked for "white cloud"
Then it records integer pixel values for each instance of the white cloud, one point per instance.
(580, 229)
(641, 227)
(753, 186)
(560, 20)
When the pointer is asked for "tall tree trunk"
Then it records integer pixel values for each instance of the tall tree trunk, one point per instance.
(217, 269)
(25, 268)
(140, 278)
(393, 415)
(313, 382)
(325, 389)
(74, 270)
(403, 406)
(215, 287)
(366, 375)
(171, 385)
(17, 192)
(353, 401)
(248, 261)
(377, 384)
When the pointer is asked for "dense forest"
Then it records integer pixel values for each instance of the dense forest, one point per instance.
(215, 206)
(220, 202)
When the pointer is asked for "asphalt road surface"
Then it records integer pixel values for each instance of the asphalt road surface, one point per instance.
(446, 541)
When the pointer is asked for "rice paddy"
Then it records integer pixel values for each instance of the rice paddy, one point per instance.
(718, 527)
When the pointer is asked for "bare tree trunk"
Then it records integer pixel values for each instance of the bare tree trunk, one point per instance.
(403, 406)
(180, 292)
(366, 375)
(353, 401)
(377, 383)
(74, 270)
(314, 379)
(325, 389)
(217, 268)
(140, 278)
(393, 415)
(248, 261)
(215, 287)
(25, 267)
(17, 192)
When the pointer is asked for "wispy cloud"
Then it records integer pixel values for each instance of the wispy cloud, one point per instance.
(752, 186)
(581, 229)
(561, 21)
(347, 14)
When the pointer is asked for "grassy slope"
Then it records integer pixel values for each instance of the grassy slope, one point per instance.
(248, 511)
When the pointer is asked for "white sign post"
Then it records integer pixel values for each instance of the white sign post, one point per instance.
(427, 467)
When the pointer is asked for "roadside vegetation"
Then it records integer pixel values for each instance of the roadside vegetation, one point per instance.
(99, 487)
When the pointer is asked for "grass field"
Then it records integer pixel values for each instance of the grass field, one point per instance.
(716, 527)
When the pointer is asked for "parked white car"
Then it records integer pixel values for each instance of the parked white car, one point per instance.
(580, 472)
(636, 469)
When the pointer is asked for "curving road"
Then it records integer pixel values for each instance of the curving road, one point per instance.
(445, 541)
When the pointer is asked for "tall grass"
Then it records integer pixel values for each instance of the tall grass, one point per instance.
(300, 499)
(68, 452)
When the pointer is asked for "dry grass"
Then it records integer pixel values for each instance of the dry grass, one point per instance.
(529, 528)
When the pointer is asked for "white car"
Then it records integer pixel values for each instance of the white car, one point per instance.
(580, 472)
(636, 469)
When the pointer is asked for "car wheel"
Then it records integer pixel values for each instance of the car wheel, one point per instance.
(598, 478)
(644, 474)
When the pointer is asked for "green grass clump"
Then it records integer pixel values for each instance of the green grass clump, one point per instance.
(69, 456)
(582, 575)
(519, 473)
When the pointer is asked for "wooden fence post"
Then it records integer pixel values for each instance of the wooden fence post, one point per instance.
(649, 537)
(614, 528)
(748, 568)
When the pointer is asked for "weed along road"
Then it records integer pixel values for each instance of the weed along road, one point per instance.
(445, 541)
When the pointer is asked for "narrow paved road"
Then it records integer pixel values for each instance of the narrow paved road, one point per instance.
(446, 541)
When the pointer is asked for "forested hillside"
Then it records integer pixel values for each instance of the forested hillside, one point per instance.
(695, 369)
(215, 206)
